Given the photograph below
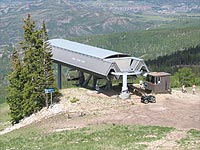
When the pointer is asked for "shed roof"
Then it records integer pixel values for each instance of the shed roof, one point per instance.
(158, 74)
(85, 49)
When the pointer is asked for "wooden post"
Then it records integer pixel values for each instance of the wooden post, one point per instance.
(51, 99)
(47, 105)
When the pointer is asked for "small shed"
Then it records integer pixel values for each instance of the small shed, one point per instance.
(158, 82)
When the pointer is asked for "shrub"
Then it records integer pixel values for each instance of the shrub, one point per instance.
(74, 100)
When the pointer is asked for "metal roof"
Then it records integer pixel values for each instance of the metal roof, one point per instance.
(158, 74)
(85, 49)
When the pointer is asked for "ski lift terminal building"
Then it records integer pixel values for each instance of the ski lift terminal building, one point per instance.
(97, 62)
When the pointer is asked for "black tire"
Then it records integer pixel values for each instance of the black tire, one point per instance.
(146, 101)
(153, 99)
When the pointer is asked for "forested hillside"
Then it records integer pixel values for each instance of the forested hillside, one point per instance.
(148, 44)
(4, 70)
(183, 65)
(175, 50)
(170, 63)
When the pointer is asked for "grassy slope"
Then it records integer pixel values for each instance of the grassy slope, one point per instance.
(4, 116)
(95, 137)
(190, 141)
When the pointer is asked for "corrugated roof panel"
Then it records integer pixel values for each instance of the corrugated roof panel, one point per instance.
(84, 49)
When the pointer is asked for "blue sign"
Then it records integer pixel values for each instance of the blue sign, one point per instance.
(50, 90)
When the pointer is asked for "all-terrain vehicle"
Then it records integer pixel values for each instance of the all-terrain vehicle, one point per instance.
(148, 99)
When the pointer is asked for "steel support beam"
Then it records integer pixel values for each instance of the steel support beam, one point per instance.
(108, 84)
(94, 83)
(81, 78)
(87, 81)
(124, 83)
(59, 76)
(125, 93)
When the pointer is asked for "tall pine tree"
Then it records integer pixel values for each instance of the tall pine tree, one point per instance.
(48, 71)
(33, 70)
(36, 72)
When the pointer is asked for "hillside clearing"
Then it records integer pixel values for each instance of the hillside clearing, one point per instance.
(95, 117)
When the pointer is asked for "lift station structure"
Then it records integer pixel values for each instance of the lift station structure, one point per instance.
(97, 62)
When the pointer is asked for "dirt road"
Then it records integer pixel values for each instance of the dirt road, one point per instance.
(177, 110)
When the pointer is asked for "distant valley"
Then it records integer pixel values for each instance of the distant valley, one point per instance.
(69, 18)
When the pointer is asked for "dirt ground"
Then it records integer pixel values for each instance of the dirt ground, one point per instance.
(178, 110)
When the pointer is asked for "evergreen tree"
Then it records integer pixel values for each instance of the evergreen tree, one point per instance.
(29, 67)
(34, 70)
(32, 75)
(48, 71)
(15, 89)
(37, 68)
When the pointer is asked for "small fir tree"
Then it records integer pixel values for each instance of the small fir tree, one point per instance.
(32, 47)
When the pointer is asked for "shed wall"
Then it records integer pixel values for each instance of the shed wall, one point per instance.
(162, 87)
